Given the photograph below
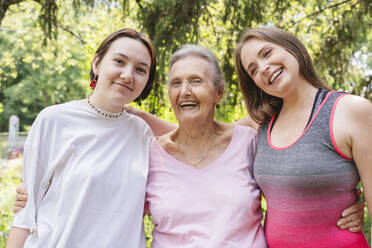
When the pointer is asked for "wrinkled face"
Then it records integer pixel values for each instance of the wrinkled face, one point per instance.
(192, 93)
(123, 72)
(272, 68)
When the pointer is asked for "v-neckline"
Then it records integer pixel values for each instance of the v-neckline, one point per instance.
(189, 166)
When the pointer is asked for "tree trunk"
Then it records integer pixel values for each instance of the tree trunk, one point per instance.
(3, 9)
(4, 5)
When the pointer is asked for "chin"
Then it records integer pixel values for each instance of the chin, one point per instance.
(122, 100)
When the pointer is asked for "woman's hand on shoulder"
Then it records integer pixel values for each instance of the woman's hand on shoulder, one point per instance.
(134, 111)
(21, 198)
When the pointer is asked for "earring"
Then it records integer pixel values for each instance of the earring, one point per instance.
(94, 82)
(217, 106)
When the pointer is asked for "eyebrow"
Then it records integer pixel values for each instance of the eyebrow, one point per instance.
(125, 56)
(259, 54)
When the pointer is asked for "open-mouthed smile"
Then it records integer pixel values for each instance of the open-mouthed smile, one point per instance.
(275, 75)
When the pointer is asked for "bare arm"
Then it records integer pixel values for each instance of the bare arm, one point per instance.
(361, 148)
(158, 126)
(353, 131)
(17, 237)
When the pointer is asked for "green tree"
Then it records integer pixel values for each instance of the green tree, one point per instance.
(33, 76)
(335, 32)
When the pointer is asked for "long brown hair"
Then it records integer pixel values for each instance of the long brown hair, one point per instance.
(130, 33)
(262, 106)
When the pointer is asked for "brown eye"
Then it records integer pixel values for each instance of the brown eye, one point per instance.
(267, 53)
(253, 71)
(119, 61)
(141, 70)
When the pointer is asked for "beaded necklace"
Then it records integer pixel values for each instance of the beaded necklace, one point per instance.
(105, 113)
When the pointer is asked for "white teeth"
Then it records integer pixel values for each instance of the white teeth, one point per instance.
(275, 75)
(183, 104)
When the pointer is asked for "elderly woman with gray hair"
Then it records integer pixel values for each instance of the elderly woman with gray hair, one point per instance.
(200, 188)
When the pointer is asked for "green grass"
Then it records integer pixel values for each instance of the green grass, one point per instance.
(10, 178)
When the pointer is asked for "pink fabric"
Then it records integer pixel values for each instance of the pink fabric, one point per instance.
(319, 235)
(218, 206)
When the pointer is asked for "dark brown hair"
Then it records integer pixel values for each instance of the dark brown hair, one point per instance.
(262, 106)
(130, 33)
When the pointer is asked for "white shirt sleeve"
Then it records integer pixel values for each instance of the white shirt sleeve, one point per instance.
(36, 173)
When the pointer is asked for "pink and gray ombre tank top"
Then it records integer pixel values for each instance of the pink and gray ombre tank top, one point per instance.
(308, 184)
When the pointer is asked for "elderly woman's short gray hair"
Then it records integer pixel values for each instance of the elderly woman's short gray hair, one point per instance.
(191, 50)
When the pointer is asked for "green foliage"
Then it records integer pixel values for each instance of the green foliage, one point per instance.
(367, 226)
(33, 76)
(148, 226)
(10, 178)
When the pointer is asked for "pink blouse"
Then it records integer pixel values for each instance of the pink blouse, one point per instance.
(217, 206)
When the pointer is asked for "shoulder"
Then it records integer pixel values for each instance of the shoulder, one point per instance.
(139, 124)
(352, 119)
(355, 106)
(246, 130)
(247, 121)
(52, 110)
(166, 139)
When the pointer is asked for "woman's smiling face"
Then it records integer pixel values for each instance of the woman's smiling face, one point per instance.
(192, 92)
(272, 68)
(123, 71)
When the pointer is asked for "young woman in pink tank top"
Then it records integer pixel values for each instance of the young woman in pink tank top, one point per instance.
(310, 152)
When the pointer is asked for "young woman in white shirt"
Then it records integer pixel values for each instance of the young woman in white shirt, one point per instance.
(80, 153)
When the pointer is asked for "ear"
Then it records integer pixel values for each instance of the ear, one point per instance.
(96, 64)
(219, 95)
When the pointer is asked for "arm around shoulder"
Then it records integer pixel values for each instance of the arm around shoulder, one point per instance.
(158, 126)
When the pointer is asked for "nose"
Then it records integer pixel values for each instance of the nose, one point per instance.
(263, 67)
(185, 89)
(127, 74)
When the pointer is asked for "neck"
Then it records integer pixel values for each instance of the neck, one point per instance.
(197, 132)
(104, 103)
(302, 97)
(194, 144)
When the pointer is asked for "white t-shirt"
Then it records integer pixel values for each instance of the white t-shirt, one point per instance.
(86, 179)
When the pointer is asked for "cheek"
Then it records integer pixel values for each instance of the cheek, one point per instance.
(258, 81)
(172, 95)
(110, 71)
(141, 81)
